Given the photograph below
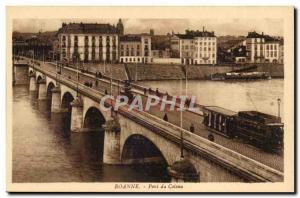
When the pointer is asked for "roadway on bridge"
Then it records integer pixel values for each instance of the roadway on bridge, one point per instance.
(269, 159)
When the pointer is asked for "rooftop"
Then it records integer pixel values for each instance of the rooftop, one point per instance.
(88, 28)
(190, 34)
(220, 110)
(262, 35)
(133, 37)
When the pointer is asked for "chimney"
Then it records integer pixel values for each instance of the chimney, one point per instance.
(262, 33)
(203, 28)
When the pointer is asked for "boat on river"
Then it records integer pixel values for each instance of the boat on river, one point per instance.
(240, 76)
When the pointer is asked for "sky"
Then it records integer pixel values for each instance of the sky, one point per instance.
(235, 27)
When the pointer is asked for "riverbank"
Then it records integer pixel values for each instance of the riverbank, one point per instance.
(152, 72)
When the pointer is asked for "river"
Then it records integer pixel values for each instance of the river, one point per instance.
(45, 151)
(258, 95)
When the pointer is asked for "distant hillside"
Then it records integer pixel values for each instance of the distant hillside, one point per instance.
(46, 36)
(226, 42)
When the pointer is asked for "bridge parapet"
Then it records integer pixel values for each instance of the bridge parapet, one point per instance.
(248, 168)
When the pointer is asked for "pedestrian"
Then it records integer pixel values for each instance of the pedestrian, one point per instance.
(211, 137)
(145, 91)
(192, 128)
(157, 92)
(165, 117)
(96, 83)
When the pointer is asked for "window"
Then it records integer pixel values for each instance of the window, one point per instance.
(93, 41)
(107, 41)
(100, 41)
(132, 51)
(86, 41)
(75, 41)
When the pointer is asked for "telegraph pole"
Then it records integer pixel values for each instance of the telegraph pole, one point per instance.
(181, 132)
(278, 102)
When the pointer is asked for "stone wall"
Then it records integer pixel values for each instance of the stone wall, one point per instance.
(21, 74)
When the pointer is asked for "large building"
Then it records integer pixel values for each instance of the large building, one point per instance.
(135, 48)
(196, 47)
(90, 42)
(262, 48)
(160, 46)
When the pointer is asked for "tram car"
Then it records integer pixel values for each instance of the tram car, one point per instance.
(262, 130)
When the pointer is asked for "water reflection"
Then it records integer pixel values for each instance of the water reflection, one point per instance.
(44, 149)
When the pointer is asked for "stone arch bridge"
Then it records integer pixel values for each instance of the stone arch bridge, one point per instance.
(138, 137)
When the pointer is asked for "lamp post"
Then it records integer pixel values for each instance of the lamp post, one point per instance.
(181, 133)
(278, 102)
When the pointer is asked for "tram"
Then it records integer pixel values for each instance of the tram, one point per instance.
(262, 130)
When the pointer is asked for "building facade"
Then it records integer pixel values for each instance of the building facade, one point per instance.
(197, 47)
(281, 52)
(89, 42)
(262, 48)
(135, 48)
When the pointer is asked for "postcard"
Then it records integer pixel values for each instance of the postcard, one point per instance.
(150, 99)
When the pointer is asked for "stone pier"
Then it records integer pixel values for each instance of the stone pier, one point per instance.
(111, 153)
(42, 90)
(76, 115)
(56, 102)
(32, 83)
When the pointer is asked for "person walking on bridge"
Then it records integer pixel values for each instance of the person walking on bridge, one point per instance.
(192, 128)
(166, 117)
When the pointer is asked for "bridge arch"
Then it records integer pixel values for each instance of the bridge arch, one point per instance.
(93, 119)
(39, 78)
(67, 98)
(49, 94)
(138, 149)
(49, 90)
(31, 72)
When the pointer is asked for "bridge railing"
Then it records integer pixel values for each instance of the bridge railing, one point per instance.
(232, 160)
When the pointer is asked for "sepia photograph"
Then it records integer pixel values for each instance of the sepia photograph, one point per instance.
(120, 99)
